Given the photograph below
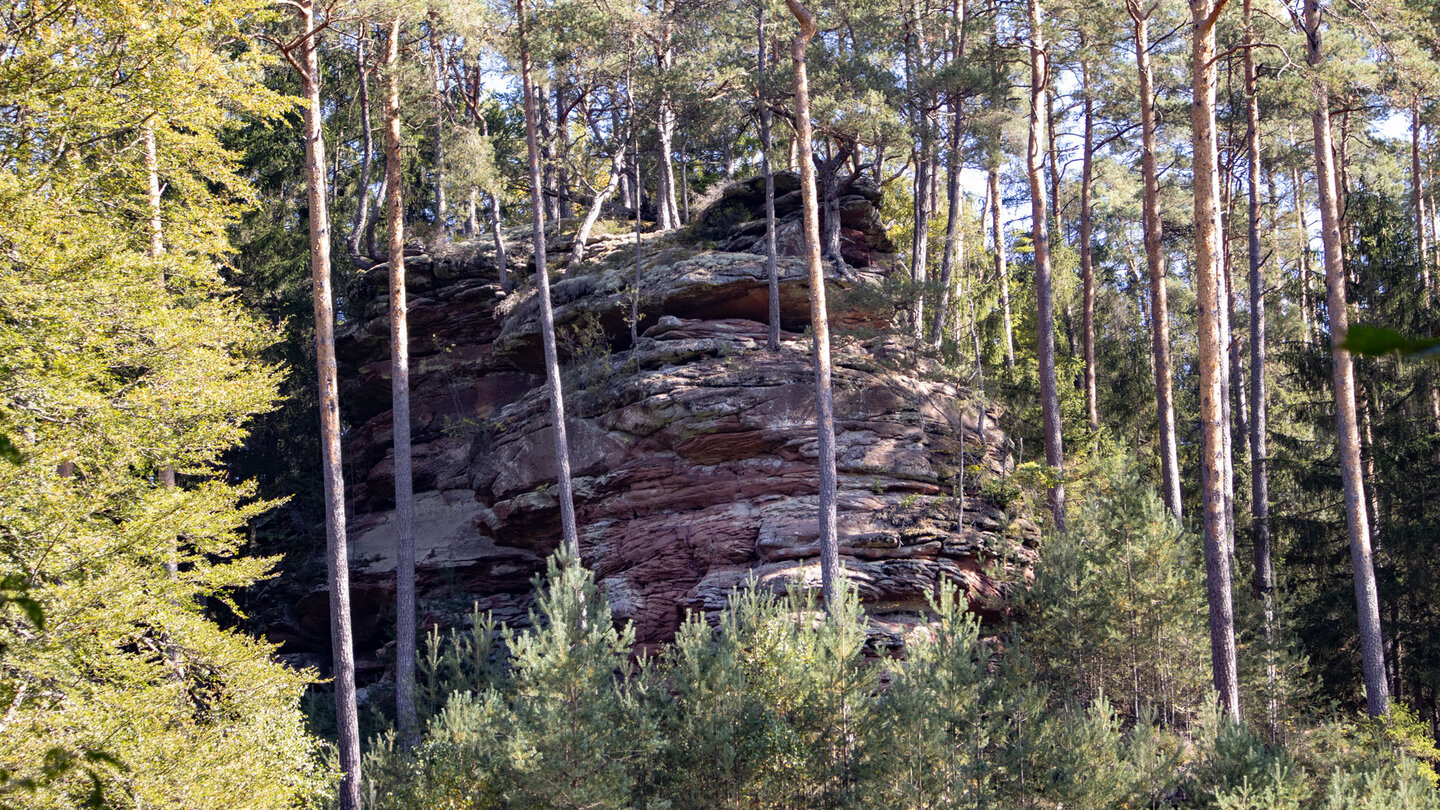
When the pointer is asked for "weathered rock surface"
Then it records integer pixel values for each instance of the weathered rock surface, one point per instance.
(693, 450)
(737, 220)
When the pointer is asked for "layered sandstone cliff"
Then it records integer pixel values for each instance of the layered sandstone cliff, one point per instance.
(693, 450)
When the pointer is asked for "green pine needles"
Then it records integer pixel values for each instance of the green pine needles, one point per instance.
(773, 703)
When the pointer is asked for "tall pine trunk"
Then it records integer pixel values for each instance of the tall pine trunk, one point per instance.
(1155, 263)
(819, 325)
(1002, 271)
(437, 68)
(1422, 237)
(570, 537)
(1087, 254)
(1367, 602)
(361, 222)
(772, 272)
(1263, 584)
(1039, 222)
(1308, 316)
(337, 558)
(1209, 285)
(400, 404)
(954, 254)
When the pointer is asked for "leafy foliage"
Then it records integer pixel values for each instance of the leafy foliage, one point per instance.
(775, 704)
(119, 688)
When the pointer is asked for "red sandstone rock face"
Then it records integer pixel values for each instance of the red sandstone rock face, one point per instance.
(694, 450)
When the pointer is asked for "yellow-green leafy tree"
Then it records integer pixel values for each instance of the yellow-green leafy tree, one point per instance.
(119, 361)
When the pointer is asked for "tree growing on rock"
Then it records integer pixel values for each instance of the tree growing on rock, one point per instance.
(570, 538)
(819, 324)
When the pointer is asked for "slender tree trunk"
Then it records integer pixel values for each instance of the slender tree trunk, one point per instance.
(499, 237)
(1039, 221)
(1372, 651)
(570, 538)
(496, 232)
(337, 555)
(1422, 242)
(1308, 316)
(1264, 581)
(566, 201)
(1228, 384)
(1212, 355)
(827, 173)
(920, 245)
(358, 226)
(1263, 584)
(665, 127)
(545, 132)
(400, 405)
(635, 147)
(437, 67)
(617, 168)
(472, 213)
(155, 251)
(954, 254)
(1087, 254)
(685, 180)
(772, 273)
(997, 211)
(1052, 134)
(370, 226)
(830, 571)
(1155, 262)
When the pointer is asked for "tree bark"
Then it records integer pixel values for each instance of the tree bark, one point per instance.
(472, 213)
(1422, 242)
(1212, 355)
(830, 572)
(359, 225)
(772, 272)
(1223, 308)
(1308, 316)
(437, 67)
(156, 250)
(409, 729)
(1087, 254)
(1263, 582)
(1367, 603)
(954, 254)
(570, 538)
(617, 168)
(920, 244)
(639, 277)
(1155, 262)
(1052, 135)
(665, 128)
(337, 557)
(997, 210)
(1264, 579)
(827, 177)
(1039, 222)
(496, 232)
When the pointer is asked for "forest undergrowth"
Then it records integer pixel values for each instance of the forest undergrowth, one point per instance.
(1099, 699)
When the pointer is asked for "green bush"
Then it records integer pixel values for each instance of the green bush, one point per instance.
(776, 703)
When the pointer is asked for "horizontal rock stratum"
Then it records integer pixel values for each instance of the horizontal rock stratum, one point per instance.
(693, 450)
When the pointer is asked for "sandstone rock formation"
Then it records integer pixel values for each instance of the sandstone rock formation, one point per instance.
(693, 450)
